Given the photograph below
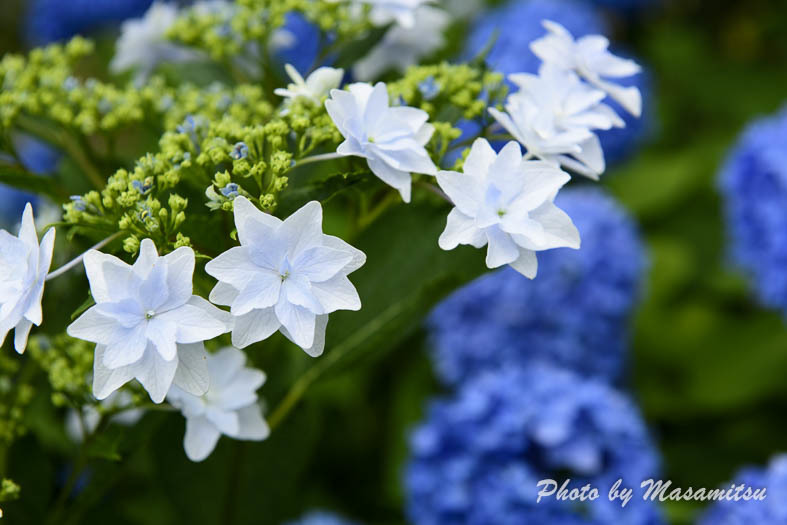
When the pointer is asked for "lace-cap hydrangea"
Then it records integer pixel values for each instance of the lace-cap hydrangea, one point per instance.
(146, 323)
(391, 139)
(479, 454)
(286, 275)
(229, 407)
(24, 265)
(316, 86)
(506, 203)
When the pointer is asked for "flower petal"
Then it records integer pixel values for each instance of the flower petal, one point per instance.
(262, 291)
(337, 293)
(298, 321)
(320, 263)
(254, 326)
(502, 249)
(252, 426)
(460, 229)
(105, 380)
(233, 267)
(200, 439)
(155, 374)
(192, 374)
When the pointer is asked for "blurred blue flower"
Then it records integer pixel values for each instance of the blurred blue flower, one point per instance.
(574, 314)
(479, 455)
(321, 517)
(518, 23)
(298, 43)
(768, 512)
(54, 20)
(37, 157)
(753, 183)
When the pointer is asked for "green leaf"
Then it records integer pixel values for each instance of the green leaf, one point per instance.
(24, 180)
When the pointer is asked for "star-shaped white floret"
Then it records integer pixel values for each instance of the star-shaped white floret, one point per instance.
(391, 139)
(229, 406)
(316, 86)
(24, 265)
(506, 202)
(286, 275)
(589, 56)
(146, 322)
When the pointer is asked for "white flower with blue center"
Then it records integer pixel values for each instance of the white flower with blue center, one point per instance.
(24, 265)
(590, 58)
(506, 203)
(286, 275)
(229, 407)
(146, 322)
(391, 139)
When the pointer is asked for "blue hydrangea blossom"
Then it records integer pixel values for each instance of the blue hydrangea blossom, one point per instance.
(478, 456)
(768, 512)
(573, 315)
(753, 183)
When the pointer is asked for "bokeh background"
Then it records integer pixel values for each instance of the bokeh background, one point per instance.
(655, 308)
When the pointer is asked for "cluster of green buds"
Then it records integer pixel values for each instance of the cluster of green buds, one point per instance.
(16, 393)
(68, 363)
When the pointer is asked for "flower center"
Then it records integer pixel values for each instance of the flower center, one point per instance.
(285, 275)
(150, 314)
(501, 212)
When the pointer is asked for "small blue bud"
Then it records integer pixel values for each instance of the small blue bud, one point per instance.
(79, 203)
(429, 88)
(230, 190)
(239, 151)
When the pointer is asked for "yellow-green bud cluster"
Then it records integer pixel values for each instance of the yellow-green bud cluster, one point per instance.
(67, 363)
(9, 491)
(15, 394)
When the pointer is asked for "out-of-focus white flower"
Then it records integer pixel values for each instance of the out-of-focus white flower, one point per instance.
(142, 44)
(589, 56)
(229, 406)
(286, 275)
(146, 322)
(24, 265)
(391, 139)
(401, 47)
(383, 12)
(316, 86)
(506, 202)
(554, 114)
(77, 427)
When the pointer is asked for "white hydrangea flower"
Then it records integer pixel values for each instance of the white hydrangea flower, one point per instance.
(401, 47)
(383, 12)
(77, 427)
(589, 56)
(391, 139)
(553, 115)
(286, 275)
(24, 265)
(506, 202)
(229, 406)
(142, 44)
(146, 322)
(316, 86)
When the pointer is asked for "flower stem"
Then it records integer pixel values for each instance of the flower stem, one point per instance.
(318, 158)
(78, 260)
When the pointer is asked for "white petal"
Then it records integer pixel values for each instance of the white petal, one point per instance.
(200, 439)
(337, 293)
(252, 426)
(108, 276)
(155, 374)
(224, 365)
(248, 217)
(358, 257)
(501, 250)
(192, 374)
(223, 294)
(126, 347)
(400, 180)
(233, 267)
(298, 321)
(242, 391)
(180, 272)
(162, 334)
(106, 381)
(317, 348)
(225, 422)
(480, 158)
(558, 227)
(255, 326)
(262, 291)
(303, 229)
(94, 327)
(526, 264)
(21, 331)
(460, 229)
(197, 320)
(45, 254)
(320, 263)
(465, 190)
(146, 259)
(27, 231)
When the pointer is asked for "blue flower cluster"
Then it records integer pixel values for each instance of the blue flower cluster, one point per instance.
(754, 186)
(477, 458)
(320, 517)
(301, 43)
(771, 511)
(518, 23)
(54, 20)
(574, 314)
